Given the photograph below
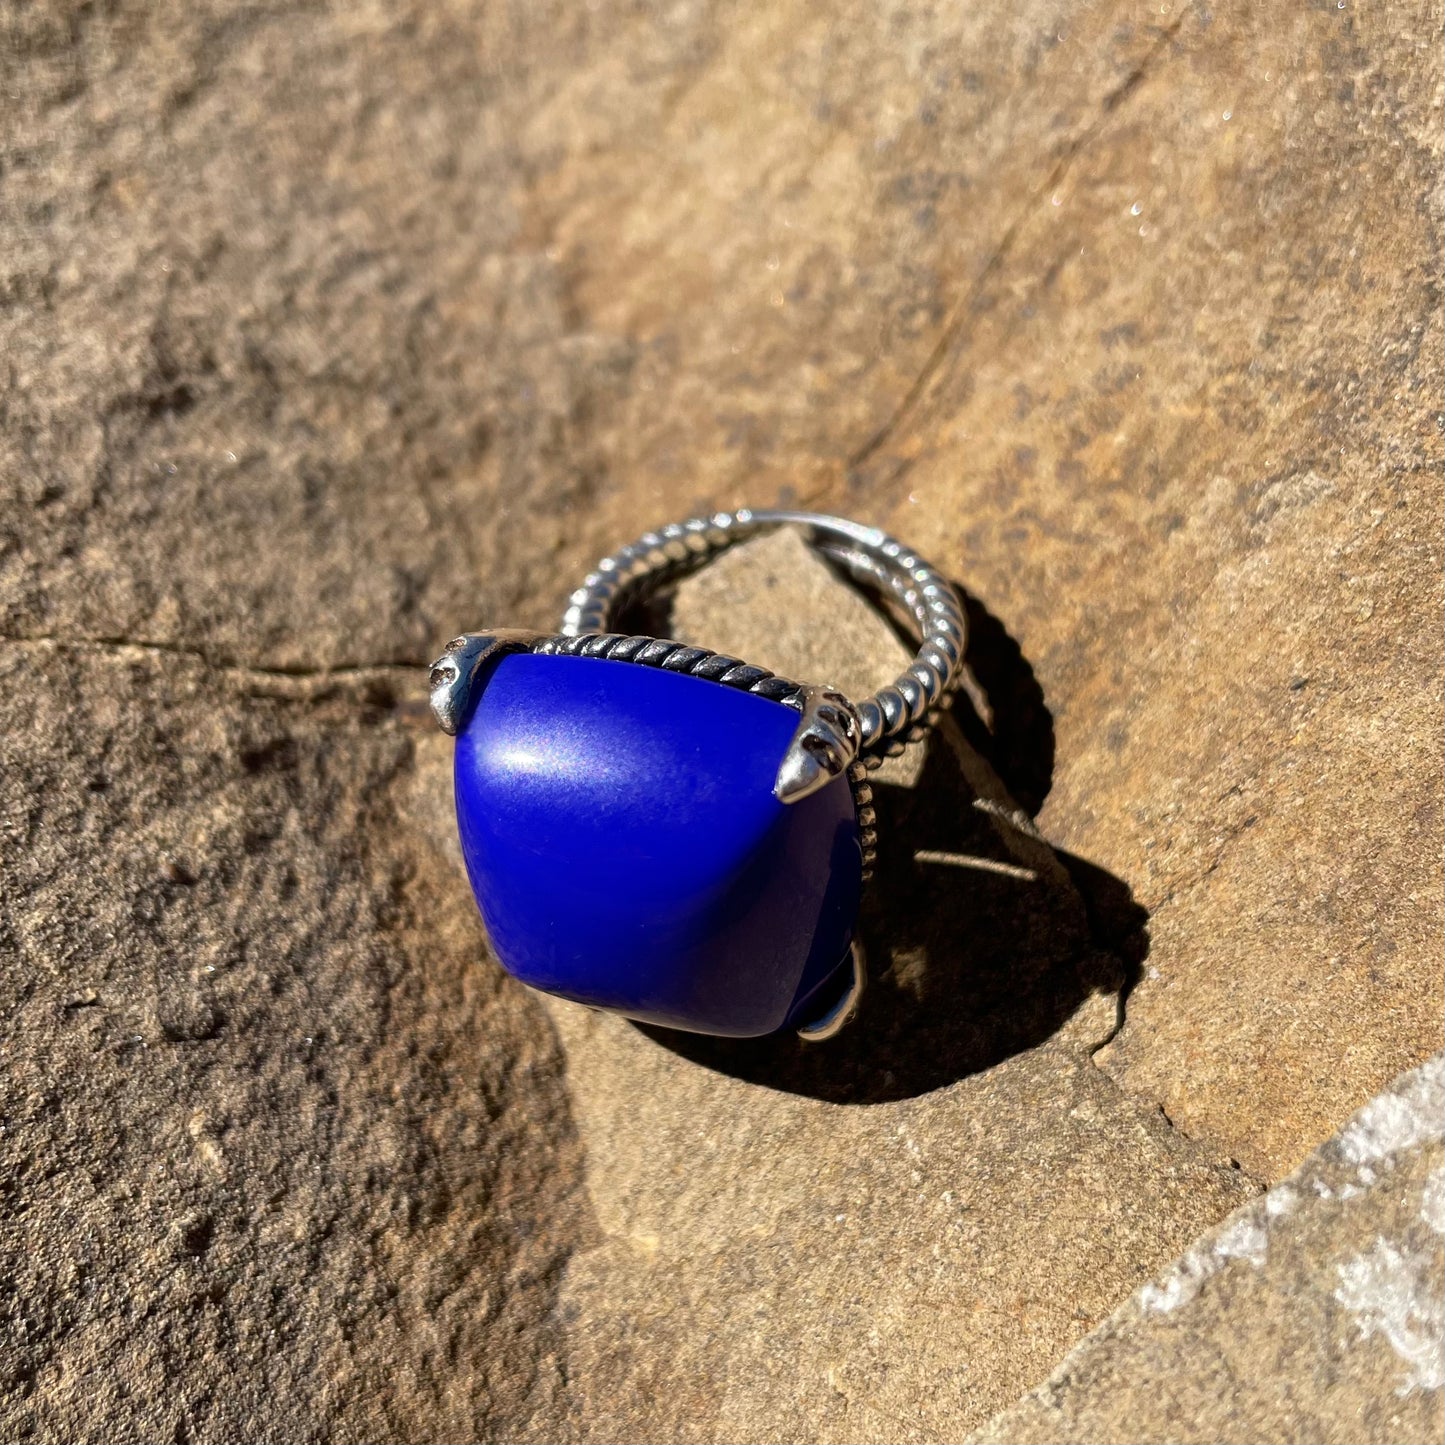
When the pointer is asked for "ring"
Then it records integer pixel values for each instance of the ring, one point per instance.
(674, 835)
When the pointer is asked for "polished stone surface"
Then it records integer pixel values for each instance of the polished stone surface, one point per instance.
(623, 841)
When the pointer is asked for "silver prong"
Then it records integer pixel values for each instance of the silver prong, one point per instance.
(825, 743)
(837, 1017)
(454, 672)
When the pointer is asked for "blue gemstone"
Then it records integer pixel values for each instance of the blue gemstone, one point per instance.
(622, 838)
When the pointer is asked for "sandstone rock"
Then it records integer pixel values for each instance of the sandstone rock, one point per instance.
(1158, 394)
(279, 1159)
(778, 1267)
(1316, 1313)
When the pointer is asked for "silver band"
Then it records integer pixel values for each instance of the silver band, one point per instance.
(895, 715)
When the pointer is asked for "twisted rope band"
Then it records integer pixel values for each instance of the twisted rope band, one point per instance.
(674, 657)
(834, 735)
(896, 714)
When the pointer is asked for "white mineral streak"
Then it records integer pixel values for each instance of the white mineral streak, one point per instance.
(1405, 1118)
(1389, 1292)
(1432, 1203)
(1394, 1290)
(1280, 1200)
(1179, 1285)
(1246, 1237)
(1409, 1115)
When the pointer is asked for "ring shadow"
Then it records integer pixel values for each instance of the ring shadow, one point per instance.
(975, 955)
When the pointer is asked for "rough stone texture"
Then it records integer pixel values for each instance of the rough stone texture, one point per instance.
(1190, 455)
(281, 386)
(780, 1268)
(278, 1160)
(330, 329)
(1316, 1313)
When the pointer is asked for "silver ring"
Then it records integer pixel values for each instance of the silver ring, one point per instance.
(833, 737)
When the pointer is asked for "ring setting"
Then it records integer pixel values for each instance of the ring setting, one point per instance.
(675, 835)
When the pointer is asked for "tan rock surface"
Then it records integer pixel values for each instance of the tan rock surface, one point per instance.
(328, 331)
(1156, 381)
(278, 1160)
(1316, 1313)
(780, 1268)
(1200, 434)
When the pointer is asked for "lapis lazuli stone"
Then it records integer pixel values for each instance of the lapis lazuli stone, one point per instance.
(622, 838)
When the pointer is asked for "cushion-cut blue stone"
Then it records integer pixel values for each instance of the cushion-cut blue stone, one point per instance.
(622, 837)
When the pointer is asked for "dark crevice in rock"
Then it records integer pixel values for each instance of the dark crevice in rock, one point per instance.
(220, 662)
